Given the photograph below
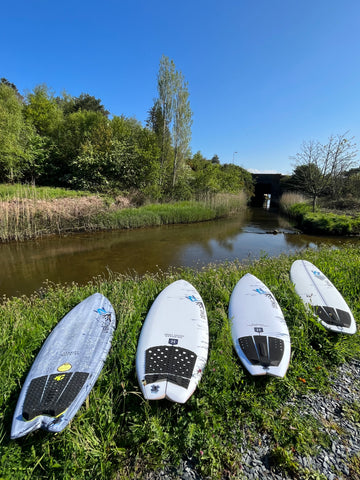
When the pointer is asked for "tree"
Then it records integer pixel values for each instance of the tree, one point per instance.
(165, 104)
(181, 131)
(320, 169)
(84, 102)
(172, 109)
(43, 111)
(14, 134)
(5, 81)
(83, 134)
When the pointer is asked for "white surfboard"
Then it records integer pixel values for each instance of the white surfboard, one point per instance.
(66, 368)
(258, 328)
(317, 291)
(173, 344)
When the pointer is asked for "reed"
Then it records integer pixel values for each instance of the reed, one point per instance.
(288, 199)
(30, 215)
(119, 435)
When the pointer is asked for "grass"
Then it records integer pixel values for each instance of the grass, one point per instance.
(322, 221)
(119, 435)
(28, 212)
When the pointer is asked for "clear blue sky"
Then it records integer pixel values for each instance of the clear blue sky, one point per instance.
(263, 75)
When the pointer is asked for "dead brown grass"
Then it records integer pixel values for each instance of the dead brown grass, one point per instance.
(28, 218)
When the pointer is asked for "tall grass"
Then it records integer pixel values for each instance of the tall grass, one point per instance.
(30, 214)
(119, 435)
(288, 199)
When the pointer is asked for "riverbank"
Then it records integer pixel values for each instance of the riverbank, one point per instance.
(30, 214)
(325, 220)
(231, 415)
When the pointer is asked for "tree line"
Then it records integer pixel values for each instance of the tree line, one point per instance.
(72, 142)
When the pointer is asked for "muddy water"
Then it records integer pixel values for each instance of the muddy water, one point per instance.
(25, 266)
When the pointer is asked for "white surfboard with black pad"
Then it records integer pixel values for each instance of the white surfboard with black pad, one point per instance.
(317, 291)
(66, 368)
(258, 328)
(173, 344)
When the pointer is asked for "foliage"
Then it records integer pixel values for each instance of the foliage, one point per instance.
(324, 222)
(210, 177)
(15, 135)
(117, 434)
(83, 102)
(71, 142)
(42, 111)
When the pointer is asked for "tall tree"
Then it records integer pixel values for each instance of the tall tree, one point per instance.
(181, 131)
(320, 169)
(173, 108)
(165, 103)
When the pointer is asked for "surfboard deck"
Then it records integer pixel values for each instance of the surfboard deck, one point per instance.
(173, 344)
(66, 368)
(258, 328)
(319, 293)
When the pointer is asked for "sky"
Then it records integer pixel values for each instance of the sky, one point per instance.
(263, 75)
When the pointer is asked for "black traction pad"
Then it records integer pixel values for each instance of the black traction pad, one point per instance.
(171, 363)
(333, 316)
(52, 394)
(262, 350)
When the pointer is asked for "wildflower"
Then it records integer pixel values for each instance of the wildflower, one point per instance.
(302, 380)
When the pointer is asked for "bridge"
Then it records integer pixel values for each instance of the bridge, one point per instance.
(267, 186)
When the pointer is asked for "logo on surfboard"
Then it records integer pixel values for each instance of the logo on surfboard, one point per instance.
(105, 317)
(318, 274)
(261, 291)
(192, 298)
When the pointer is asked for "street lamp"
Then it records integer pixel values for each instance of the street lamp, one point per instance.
(234, 156)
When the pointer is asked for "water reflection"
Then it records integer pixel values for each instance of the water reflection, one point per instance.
(26, 265)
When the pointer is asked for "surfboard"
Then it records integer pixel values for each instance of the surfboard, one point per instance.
(66, 368)
(173, 344)
(258, 328)
(317, 291)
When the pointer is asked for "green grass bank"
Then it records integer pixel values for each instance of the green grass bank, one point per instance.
(30, 212)
(324, 221)
(119, 435)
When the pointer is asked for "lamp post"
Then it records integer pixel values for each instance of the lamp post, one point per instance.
(234, 156)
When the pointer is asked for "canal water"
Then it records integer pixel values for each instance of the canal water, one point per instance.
(25, 266)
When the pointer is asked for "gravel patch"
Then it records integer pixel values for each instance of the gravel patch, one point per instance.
(333, 411)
